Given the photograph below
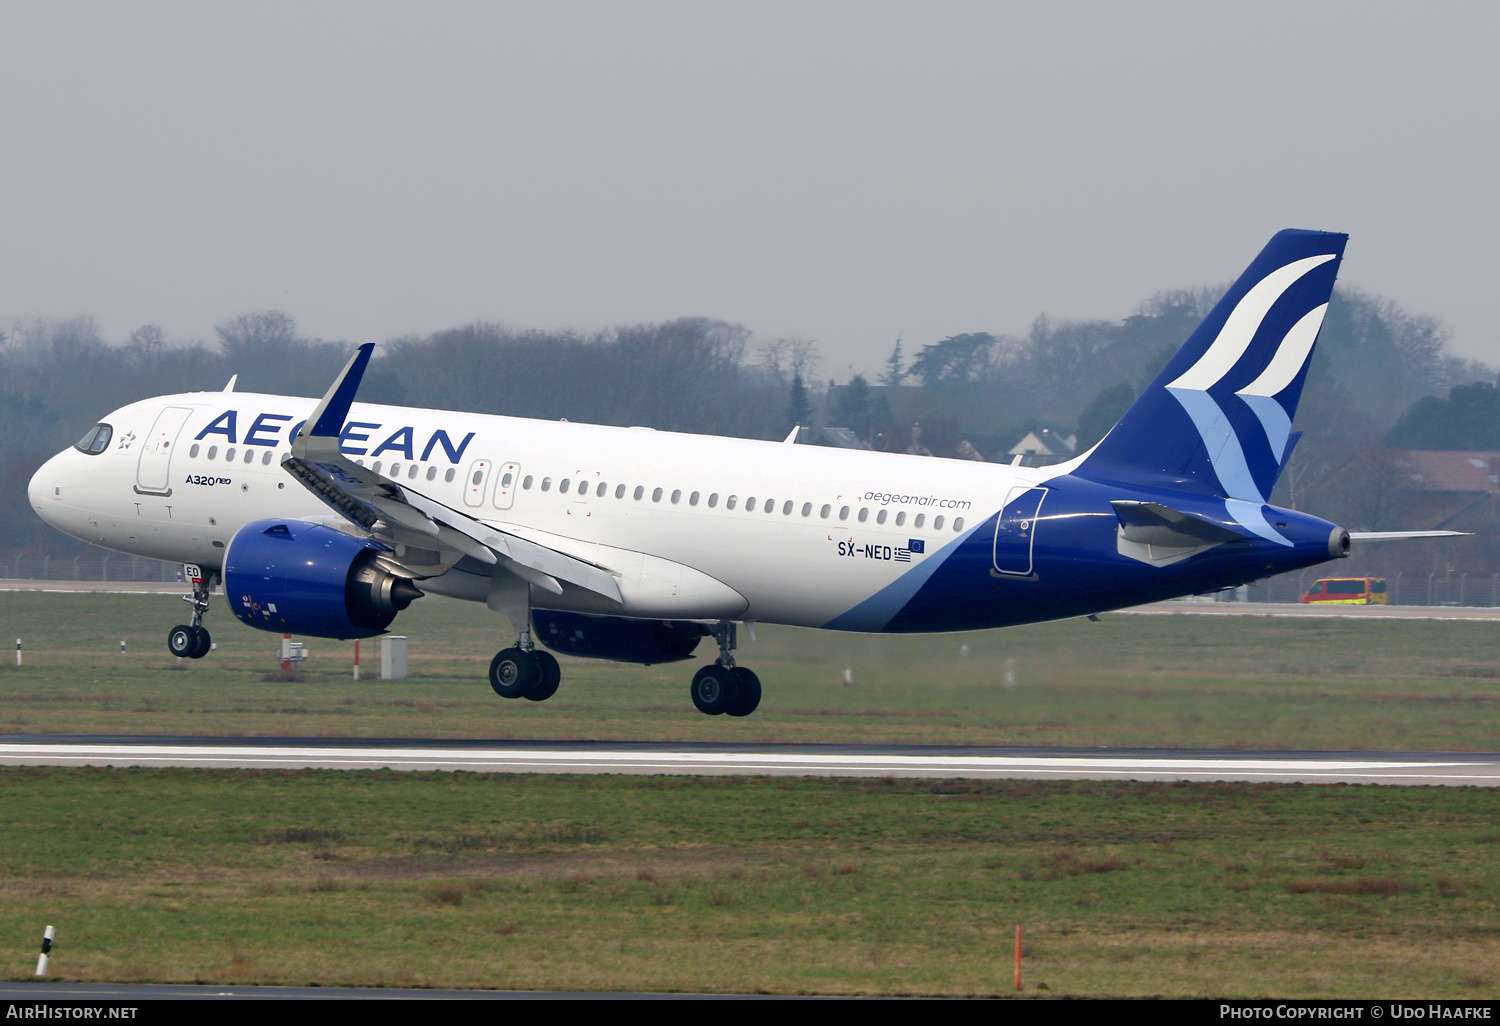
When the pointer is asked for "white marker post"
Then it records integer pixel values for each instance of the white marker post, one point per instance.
(356, 659)
(18, 651)
(41, 962)
(122, 646)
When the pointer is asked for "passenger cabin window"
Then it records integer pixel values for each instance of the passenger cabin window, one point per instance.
(639, 491)
(693, 499)
(827, 509)
(265, 460)
(411, 472)
(375, 468)
(807, 509)
(432, 474)
(250, 455)
(729, 502)
(921, 519)
(619, 491)
(564, 485)
(713, 499)
(843, 512)
(656, 495)
(864, 514)
(958, 524)
(880, 517)
(229, 455)
(750, 504)
(786, 508)
(396, 471)
(602, 490)
(937, 523)
(96, 439)
(504, 481)
(546, 484)
(213, 450)
(525, 481)
(193, 452)
(676, 496)
(448, 475)
(901, 518)
(583, 487)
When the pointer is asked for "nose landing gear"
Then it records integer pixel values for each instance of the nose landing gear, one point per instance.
(721, 686)
(191, 640)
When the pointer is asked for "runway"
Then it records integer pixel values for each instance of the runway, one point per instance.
(1178, 607)
(1197, 607)
(701, 759)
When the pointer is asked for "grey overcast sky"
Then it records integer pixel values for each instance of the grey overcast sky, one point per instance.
(845, 172)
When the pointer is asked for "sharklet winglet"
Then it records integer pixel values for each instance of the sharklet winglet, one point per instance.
(328, 419)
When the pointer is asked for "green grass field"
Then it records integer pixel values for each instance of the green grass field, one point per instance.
(831, 886)
(743, 884)
(1156, 681)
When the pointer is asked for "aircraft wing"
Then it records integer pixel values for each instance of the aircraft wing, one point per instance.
(427, 536)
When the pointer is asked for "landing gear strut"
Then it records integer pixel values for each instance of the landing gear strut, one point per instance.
(191, 640)
(721, 686)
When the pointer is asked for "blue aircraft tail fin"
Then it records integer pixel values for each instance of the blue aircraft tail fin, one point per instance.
(1218, 419)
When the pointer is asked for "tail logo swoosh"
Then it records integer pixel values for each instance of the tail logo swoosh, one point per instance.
(1225, 450)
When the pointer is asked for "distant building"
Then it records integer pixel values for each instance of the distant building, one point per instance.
(1451, 490)
(1042, 448)
(834, 437)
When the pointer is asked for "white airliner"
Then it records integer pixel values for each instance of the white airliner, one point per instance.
(328, 519)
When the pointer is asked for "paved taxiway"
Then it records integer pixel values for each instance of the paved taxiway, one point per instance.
(479, 756)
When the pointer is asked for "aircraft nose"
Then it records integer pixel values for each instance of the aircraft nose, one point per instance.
(45, 491)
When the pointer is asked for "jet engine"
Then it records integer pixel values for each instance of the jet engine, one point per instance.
(296, 577)
(616, 637)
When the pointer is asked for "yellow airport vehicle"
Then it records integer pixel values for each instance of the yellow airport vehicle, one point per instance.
(1347, 591)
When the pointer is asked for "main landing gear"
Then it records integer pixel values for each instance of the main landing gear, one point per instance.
(525, 672)
(191, 640)
(721, 686)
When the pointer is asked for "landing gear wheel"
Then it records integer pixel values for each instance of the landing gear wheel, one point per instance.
(551, 677)
(202, 643)
(513, 673)
(749, 696)
(715, 689)
(182, 641)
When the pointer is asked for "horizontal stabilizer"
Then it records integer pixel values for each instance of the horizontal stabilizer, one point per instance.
(1375, 536)
(1139, 517)
(1161, 535)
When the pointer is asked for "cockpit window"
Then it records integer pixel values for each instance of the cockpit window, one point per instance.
(95, 440)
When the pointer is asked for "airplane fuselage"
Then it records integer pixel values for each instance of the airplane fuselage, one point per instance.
(693, 526)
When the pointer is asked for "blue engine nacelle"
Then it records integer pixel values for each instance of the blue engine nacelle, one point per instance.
(294, 577)
(617, 637)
